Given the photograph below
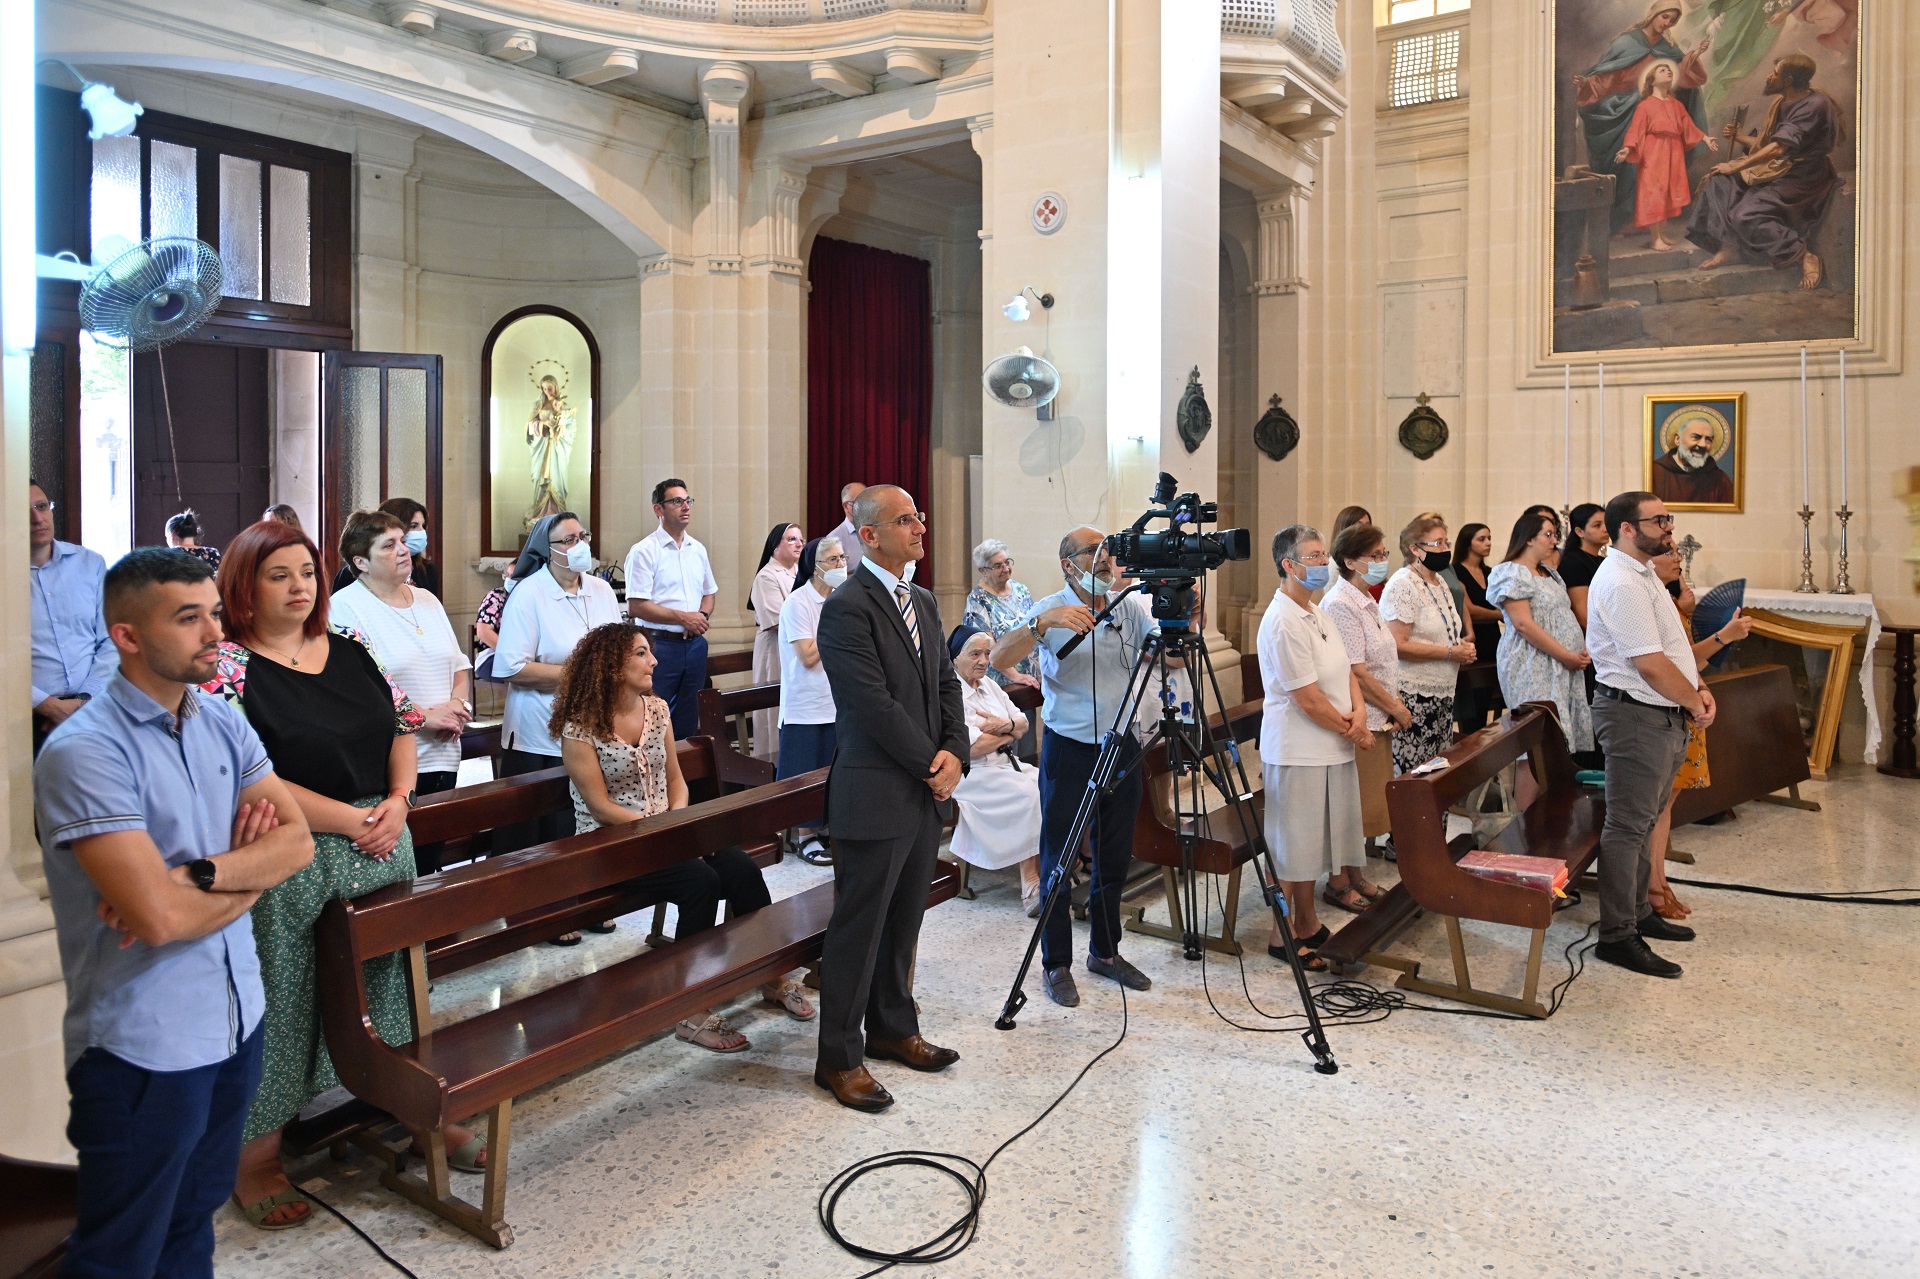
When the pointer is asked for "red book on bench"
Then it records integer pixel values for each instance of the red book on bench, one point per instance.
(1548, 874)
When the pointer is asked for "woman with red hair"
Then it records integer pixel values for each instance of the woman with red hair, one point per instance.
(341, 736)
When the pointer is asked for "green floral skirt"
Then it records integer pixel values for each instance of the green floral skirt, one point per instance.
(297, 1068)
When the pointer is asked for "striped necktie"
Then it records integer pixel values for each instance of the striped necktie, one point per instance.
(905, 596)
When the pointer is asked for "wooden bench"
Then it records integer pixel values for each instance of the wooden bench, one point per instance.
(1754, 745)
(1563, 822)
(1223, 847)
(39, 1204)
(456, 816)
(485, 1061)
(737, 661)
(723, 717)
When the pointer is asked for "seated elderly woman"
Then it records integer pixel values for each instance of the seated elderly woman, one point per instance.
(999, 800)
(1315, 718)
(616, 739)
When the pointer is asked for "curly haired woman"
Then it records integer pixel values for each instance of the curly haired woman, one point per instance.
(616, 739)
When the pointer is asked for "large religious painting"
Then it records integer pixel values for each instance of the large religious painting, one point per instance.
(1705, 169)
(541, 373)
(1696, 447)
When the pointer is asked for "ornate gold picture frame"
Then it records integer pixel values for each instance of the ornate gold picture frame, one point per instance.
(1695, 451)
(1820, 658)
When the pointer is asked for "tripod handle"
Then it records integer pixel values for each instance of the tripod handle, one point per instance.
(1067, 648)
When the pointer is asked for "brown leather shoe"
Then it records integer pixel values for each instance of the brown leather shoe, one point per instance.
(912, 1052)
(855, 1089)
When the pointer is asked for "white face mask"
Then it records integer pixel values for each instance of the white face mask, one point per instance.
(508, 584)
(833, 577)
(1093, 585)
(580, 557)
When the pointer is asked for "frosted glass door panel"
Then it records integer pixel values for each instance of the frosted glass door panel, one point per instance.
(290, 248)
(173, 190)
(359, 441)
(407, 433)
(240, 226)
(116, 197)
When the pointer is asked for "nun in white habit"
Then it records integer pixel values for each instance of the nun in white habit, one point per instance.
(999, 798)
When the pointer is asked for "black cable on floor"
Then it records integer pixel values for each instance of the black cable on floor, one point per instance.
(1850, 896)
(348, 1221)
(952, 1241)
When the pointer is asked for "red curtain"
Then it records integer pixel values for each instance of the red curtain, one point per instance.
(869, 378)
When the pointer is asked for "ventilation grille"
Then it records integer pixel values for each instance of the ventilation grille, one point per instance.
(1256, 18)
(841, 10)
(770, 13)
(689, 10)
(1315, 36)
(1426, 68)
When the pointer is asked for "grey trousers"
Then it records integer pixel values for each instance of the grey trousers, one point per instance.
(1645, 746)
(880, 890)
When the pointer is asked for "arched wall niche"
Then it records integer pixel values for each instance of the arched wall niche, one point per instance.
(538, 453)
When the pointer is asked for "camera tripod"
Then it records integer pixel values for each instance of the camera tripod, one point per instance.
(1194, 757)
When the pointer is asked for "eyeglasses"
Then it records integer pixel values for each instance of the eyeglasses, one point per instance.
(1006, 562)
(831, 561)
(677, 501)
(567, 542)
(1085, 550)
(905, 521)
(1662, 522)
(1438, 544)
(1310, 561)
(42, 507)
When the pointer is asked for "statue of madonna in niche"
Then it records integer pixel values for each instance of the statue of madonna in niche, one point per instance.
(550, 447)
(540, 376)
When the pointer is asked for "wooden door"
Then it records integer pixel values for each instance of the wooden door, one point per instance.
(379, 438)
(211, 405)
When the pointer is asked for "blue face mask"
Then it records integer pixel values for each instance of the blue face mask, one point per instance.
(1315, 576)
(417, 541)
(1378, 571)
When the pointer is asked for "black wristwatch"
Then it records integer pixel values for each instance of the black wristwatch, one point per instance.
(203, 872)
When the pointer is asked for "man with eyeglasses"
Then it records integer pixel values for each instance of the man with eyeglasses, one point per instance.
(1083, 694)
(73, 657)
(1648, 689)
(670, 591)
(847, 533)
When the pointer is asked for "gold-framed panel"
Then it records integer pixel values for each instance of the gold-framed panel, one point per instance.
(1828, 702)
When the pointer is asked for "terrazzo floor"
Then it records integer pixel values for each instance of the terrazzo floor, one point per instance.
(1756, 1118)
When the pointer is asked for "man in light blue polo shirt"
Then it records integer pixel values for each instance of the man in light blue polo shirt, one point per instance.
(161, 822)
(72, 657)
(1084, 692)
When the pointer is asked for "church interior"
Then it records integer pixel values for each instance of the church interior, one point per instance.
(1020, 258)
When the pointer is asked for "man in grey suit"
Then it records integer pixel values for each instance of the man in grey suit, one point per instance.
(902, 738)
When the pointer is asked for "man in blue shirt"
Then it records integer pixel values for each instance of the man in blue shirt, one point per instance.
(161, 822)
(1083, 693)
(72, 657)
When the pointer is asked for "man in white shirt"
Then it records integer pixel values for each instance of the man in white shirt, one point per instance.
(670, 592)
(849, 535)
(1649, 688)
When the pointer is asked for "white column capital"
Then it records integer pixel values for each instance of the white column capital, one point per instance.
(1282, 212)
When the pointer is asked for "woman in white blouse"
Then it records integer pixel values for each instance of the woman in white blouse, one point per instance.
(807, 712)
(999, 800)
(772, 583)
(408, 630)
(1313, 722)
(1359, 558)
(1433, 644)
(557, 600)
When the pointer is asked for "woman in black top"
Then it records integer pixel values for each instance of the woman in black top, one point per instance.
(1580, 559)
(340, 735)
(1470, 551)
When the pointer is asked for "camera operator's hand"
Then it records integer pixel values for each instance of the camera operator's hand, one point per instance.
(1077, 618)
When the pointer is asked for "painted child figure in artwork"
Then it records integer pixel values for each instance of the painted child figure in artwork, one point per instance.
(1657, 142)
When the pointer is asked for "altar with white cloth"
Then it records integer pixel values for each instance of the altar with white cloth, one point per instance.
(1824, 606)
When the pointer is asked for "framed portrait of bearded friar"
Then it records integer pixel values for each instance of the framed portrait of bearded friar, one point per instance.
(1706, 172)
(540, 386)
(1696, 451)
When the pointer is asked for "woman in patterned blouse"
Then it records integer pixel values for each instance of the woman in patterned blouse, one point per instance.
(616, 739)
(998, 604)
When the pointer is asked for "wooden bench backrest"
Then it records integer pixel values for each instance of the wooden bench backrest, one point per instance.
(738, 661)
(470, 810)
(1154, 840)
(1418, 806)
(1754, 746)
(417, 911)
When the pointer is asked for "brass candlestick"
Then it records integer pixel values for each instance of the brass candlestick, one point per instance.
(1688, 546)
(1806, 586)
(1842, 584)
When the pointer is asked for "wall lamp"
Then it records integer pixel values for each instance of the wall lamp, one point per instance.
(1018, 311)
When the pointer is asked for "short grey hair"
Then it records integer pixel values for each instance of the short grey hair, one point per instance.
(846, 490)
(1289, 539)
(983, 554)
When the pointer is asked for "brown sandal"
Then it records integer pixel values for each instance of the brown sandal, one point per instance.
(1347, 899)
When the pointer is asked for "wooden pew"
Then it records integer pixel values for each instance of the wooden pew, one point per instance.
(484, 1062)
(456, 816)
(737, 661)
(1564, 822)
(1754, 746)
(1223, 848)
(723, 718)
(39, 1204)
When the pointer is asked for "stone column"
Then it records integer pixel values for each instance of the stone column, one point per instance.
(385, 272)
(1277, 290)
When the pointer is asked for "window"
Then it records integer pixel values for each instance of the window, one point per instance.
(1414, 10)
(1426, 68)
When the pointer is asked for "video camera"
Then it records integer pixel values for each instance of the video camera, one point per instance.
(1170, 562)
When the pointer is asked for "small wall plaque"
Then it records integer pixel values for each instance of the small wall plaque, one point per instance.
(1276, 433)
(1193, 418)
(1424, 432)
